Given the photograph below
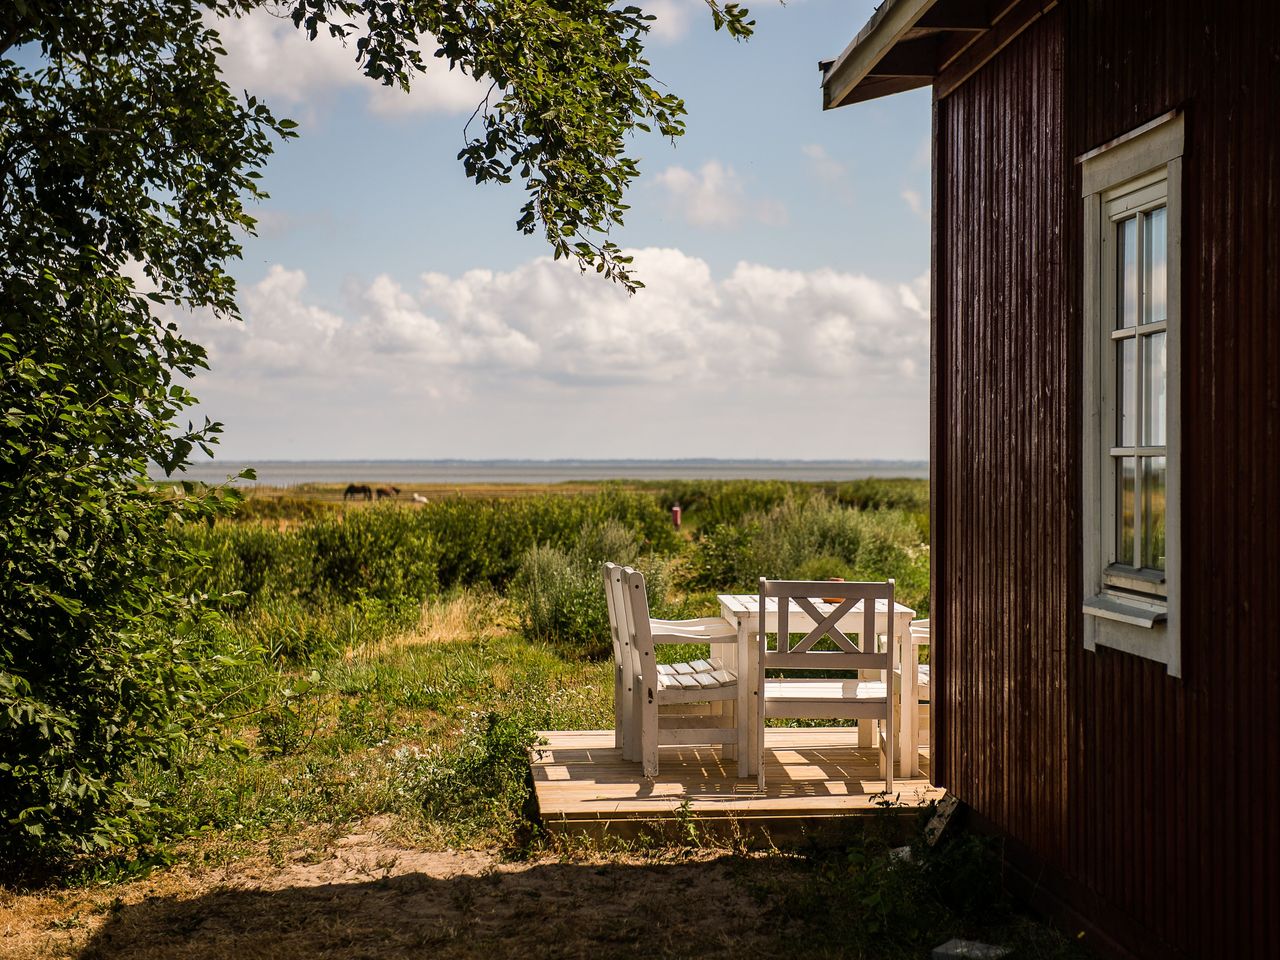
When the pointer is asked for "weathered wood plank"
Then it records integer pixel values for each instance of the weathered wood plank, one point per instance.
(816, 772)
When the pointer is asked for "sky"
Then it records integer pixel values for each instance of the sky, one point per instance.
(392, 311)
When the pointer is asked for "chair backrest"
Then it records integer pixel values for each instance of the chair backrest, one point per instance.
(639, 630)
(615, 596)
(817, 621)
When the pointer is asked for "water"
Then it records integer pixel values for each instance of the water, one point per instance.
(288, 473)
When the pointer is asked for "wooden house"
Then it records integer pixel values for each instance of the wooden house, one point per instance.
(1106, 447)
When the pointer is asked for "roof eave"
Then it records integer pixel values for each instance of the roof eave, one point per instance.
(848, 78)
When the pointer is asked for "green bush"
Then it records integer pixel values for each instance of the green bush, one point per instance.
(814, 538)
(710, 504)
(560, 593)
(378, 553)
(480, 784)
(483, 541)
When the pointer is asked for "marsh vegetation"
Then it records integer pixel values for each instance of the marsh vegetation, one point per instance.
(382, 671)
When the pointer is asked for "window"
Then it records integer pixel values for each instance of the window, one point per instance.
(1132, 213)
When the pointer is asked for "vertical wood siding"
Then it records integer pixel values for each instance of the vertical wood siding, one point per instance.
(1151, 802)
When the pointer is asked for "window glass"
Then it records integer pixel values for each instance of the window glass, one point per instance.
(1124, 510)
(1155, 258)
(1127, 392)
(1154, 473)
(1127, 272)
(1155, 378)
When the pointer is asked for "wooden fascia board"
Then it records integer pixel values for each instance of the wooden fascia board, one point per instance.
(909, 58)
(915, 43)
(892, 22)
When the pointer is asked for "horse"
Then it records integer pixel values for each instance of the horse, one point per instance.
(359, 491)
(384, 492)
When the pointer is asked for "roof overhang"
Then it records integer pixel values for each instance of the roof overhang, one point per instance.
(911, 43)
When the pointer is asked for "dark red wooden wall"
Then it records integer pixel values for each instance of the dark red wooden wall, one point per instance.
(1148, 804)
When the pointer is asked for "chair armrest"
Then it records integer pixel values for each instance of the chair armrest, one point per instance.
(695, 636)
(701, 623)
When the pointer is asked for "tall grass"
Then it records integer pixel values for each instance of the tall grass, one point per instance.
(354, 702)
(815, 538)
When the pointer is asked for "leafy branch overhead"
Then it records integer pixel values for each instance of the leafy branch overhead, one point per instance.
(568, 82)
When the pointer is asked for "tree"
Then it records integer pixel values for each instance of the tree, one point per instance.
(126, 164)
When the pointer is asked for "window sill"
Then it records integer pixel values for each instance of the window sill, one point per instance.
(1132, 625)
(1134, 611)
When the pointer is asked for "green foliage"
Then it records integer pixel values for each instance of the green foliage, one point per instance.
(125, 168)
(877, 898)
(559, 593)
(482, 541)
(105, 657)
(710, 504)
(814, 538)
(479, 782)
(567, 83)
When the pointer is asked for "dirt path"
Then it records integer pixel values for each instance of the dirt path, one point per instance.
(365, 897)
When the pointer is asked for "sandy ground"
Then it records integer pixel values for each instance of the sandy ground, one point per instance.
(364, 896)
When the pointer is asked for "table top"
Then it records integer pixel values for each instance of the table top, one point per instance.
(736, 606)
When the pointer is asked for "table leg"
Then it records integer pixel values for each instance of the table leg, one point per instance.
(746, 717)
(906, 709)
(867, 728)
(727, 652)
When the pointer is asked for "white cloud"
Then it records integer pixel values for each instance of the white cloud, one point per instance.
(274, 60)
(715, 197)
(915, 203)
(539, 361)
(824, 166)
(543, 321)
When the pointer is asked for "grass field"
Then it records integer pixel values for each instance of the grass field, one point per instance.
(372, 797)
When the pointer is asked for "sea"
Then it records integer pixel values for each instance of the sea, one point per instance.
(292, 473)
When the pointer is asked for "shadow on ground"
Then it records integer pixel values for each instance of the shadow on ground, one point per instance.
(710, 908)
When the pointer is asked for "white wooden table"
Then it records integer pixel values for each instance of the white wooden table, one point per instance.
(743, 611)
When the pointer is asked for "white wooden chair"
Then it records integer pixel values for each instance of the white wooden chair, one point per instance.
(806, 637)
(626, 664)
(676, 703)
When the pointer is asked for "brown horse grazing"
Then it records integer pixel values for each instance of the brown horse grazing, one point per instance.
(359, 491)
(388, 492)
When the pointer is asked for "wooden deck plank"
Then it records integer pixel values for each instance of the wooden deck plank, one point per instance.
(811, 773)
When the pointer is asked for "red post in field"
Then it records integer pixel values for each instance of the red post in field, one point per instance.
(675, 515)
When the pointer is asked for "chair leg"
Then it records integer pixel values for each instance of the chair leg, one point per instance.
(648, 733)
(631, 748)
(619, 711)
(730, 708)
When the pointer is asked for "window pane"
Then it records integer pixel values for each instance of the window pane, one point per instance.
(1127, 272)
(1126, 392)
(1153, 502)
(1124, 510)
(1155, 282)
(1154, 380)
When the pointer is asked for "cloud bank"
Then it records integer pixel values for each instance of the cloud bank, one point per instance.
(526, 362)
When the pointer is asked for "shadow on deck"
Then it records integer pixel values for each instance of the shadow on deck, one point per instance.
(816, 780)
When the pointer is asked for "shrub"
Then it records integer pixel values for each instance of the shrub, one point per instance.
(560, 593)
(815, 538)
(477, 786)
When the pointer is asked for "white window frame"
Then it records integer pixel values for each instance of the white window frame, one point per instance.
(1126, 610)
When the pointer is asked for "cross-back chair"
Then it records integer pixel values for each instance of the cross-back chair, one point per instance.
(818, 625)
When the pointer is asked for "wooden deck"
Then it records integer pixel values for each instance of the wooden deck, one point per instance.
(815, 776)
